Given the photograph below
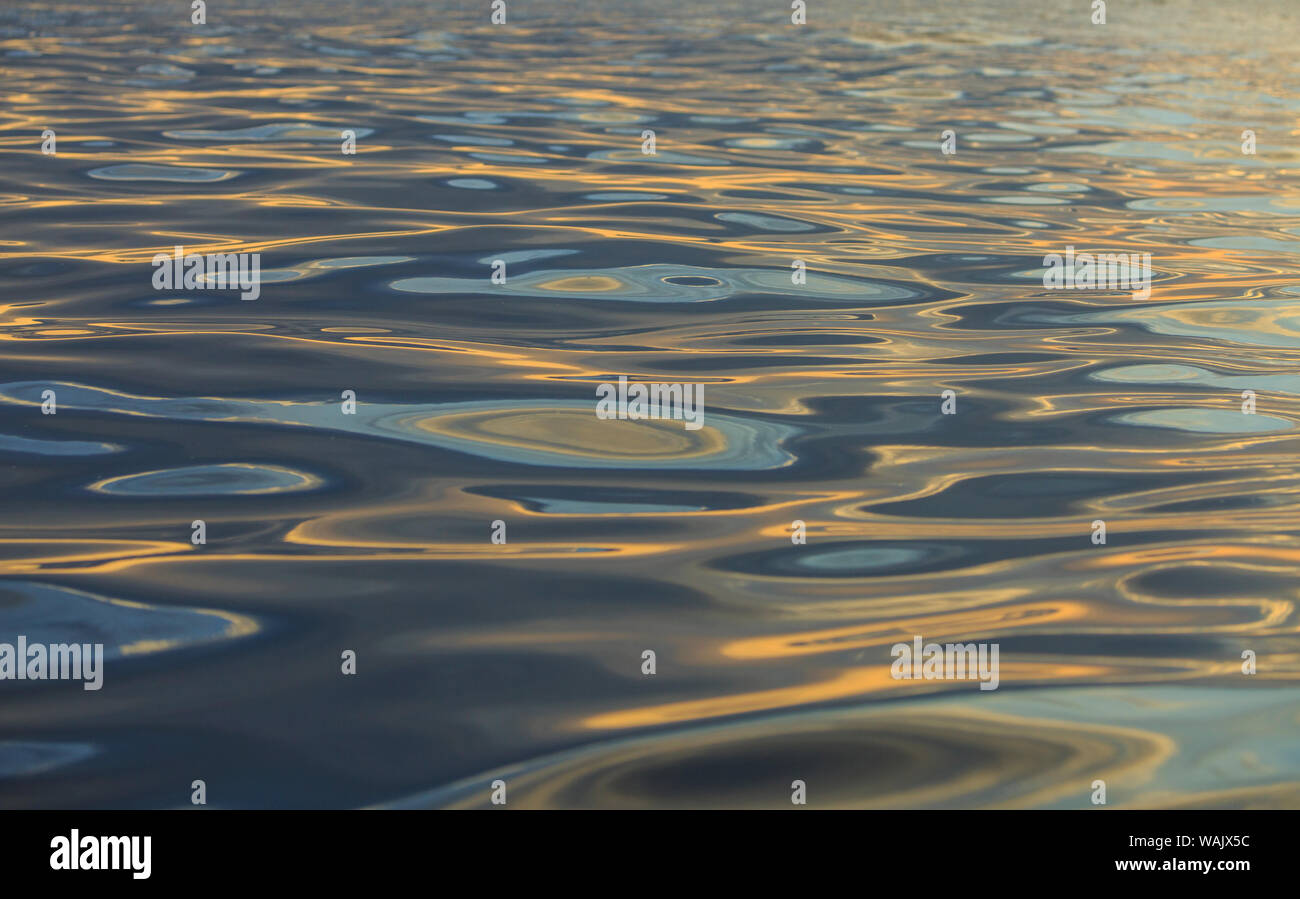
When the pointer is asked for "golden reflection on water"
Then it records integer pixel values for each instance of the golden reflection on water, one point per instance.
(1119, 661)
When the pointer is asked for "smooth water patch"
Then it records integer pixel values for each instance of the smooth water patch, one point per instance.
(143, 172)
(1169, 373)
(230, 479)
(1205, 421)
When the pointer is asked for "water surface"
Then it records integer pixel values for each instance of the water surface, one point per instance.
(371, 532)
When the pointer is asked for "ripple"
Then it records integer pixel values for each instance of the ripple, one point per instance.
(527, 432)
(473, 184)
(474, 140)
(652, 284)
(142, 172)
(167, 71)
(936, 755)
(318, 267)
(54, 614)
(623, 195)
(274, 132)
(14, 443)
(521, 657)
(597, 500)
(764, 222)
(229, 479)
(661, 157)
(1205, 421)
(26, 758)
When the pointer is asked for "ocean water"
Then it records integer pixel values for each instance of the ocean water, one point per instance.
(966, 517)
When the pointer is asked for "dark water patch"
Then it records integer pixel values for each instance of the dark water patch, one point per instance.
(613, 500)
(1210, 582)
